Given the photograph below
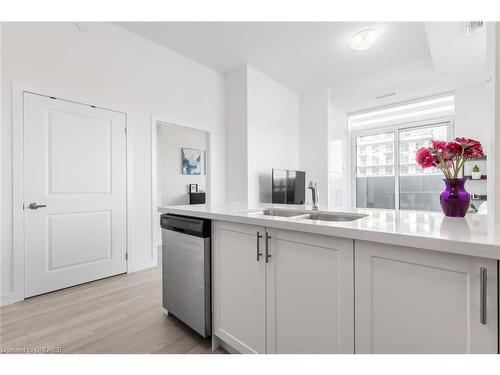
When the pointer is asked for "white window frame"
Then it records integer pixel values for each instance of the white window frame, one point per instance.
(396, 129)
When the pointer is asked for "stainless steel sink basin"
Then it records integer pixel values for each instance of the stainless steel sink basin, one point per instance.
(333, 217)
(308, 215)
(283, 213)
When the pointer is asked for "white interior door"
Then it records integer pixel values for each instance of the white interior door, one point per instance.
(74, 165)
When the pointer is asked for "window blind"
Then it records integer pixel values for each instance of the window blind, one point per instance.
(425, 109)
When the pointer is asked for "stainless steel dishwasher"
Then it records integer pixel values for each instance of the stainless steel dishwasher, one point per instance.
(186, 271)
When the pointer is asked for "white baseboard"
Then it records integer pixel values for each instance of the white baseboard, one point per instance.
(228, 348)
(10, 298)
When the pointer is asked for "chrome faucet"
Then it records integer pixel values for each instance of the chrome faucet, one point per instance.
(315, 195)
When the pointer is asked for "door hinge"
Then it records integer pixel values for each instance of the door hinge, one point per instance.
(125, 130)
(126, 256)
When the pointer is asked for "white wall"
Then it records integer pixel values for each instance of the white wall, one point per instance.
(339, 194)
(7, 280)
(236, 136)
(110, 67)
(172, 184)
(313, 136)
(472, 113)
(473, 119)
(262, 133)
(273, 132)
(494, 129)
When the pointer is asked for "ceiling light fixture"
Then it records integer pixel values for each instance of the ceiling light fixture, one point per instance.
(364, 39)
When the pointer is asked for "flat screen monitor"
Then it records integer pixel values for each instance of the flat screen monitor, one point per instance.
(289, 186)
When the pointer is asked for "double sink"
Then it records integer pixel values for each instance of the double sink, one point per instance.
(307, 215)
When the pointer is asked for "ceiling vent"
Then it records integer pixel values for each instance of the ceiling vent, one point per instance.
(470, 28)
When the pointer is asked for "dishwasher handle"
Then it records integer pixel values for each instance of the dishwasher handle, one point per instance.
(177, 229)
(187, 225)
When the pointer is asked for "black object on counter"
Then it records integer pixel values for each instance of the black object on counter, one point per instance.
(197, 198)
(288, 187)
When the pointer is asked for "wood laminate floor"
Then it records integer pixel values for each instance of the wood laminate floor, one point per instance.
(120, 314)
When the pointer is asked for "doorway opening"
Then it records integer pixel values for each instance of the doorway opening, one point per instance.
(181, 169)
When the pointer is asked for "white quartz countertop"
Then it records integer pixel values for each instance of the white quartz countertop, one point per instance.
(473, 235)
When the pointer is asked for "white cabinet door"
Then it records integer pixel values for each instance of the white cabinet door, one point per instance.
(415, 301)
(239, 287)
(310, 293)
(75, 169)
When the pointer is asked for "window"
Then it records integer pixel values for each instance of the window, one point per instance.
(375, 185)
(386, 174)
(419, 188)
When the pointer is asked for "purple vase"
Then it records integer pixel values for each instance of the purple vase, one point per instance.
(454, 199)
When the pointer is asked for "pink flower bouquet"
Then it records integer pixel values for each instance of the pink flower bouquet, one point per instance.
(450, 156)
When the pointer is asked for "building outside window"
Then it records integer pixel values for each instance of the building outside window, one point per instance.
(385, 174)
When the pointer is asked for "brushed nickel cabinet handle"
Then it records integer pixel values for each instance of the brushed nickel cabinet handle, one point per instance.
(259, 254)
(483, 292)
(268, 255)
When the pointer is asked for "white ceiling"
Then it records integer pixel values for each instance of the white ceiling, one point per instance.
(300, 55)
(456, 60)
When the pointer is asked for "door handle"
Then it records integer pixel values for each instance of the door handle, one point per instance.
(268, 237)
(483, 294)
(259, 254)
(34, 206)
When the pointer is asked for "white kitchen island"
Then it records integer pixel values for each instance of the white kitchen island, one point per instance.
(388, 282)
